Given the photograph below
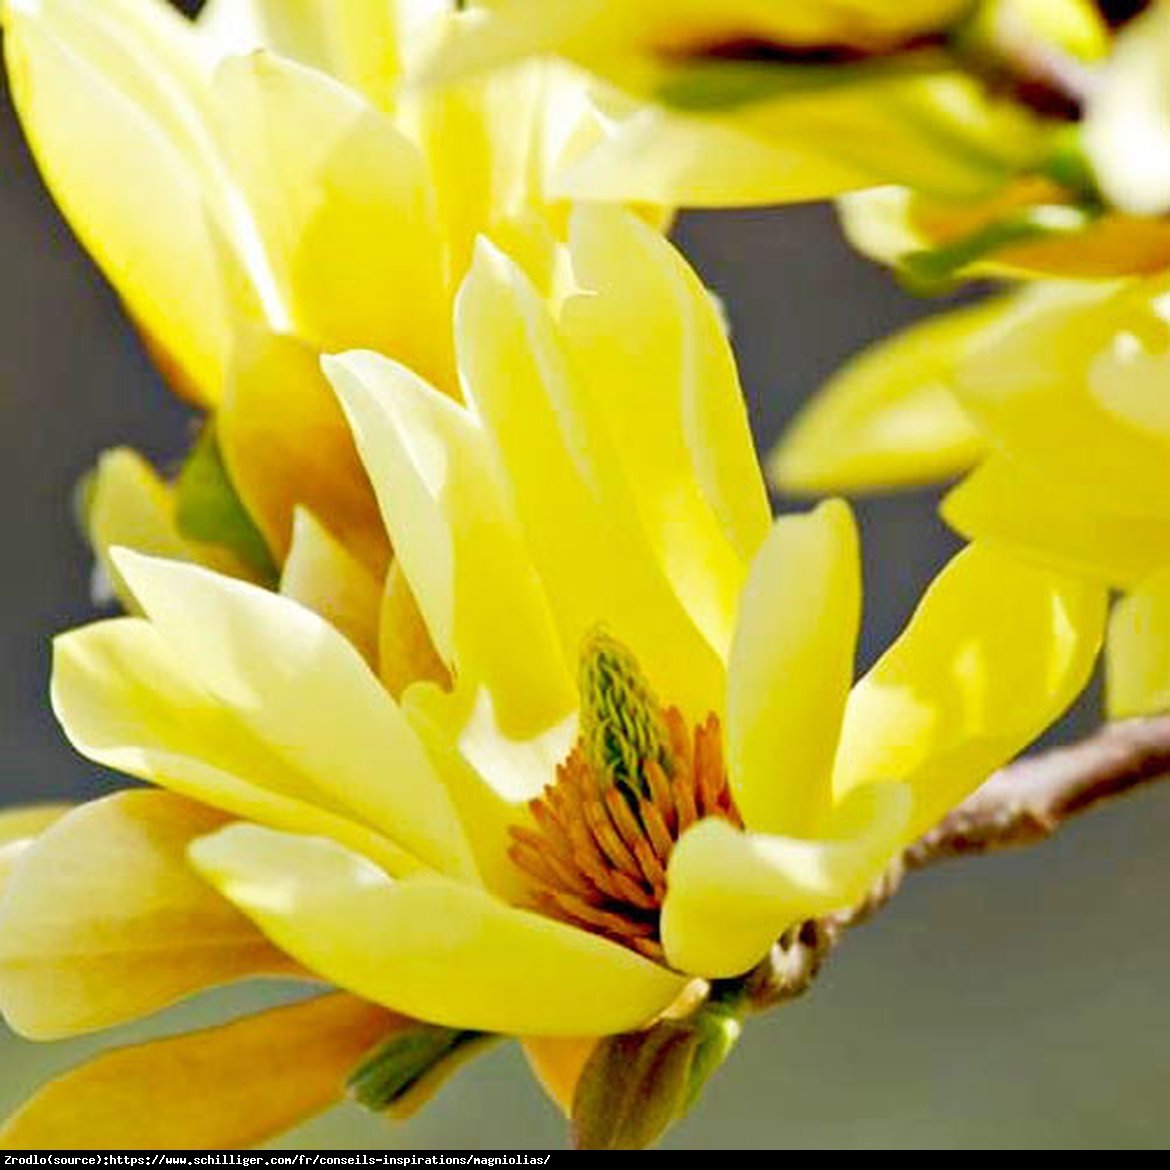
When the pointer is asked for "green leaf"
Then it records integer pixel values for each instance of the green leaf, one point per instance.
(409, 1068)
(208, 509)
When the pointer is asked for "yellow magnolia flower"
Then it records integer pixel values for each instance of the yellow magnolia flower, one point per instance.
(1071, 389)
(1057, 395)
(257, 207)
(757, 102)
(645, 763)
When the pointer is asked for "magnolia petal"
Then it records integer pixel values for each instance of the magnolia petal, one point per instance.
(489, 777)
(661, 157)
(1138, 651)
(19, 828)
(456, 539)
(592, 31)
(306, 692)
(356, 42)
(343, 199)
(103, 920)
(996, 651)
(128, 701)
(1027, 385)
(671, 401)
(321, 575)
(127, 504)
(791, 667)
(889, 418)
(1008, 503)
(1126, 123)
(105, 95)
(731, 894)
(434, 948)
(567, 484)
(557, 1063)
(406, 653)
(226, 1088)
(285, 443)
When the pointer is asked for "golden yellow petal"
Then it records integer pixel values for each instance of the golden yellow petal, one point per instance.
(669, 394)
(791, 668)
(557, 1064)
(406, 653)
(457, 540)
(225, 1088)
(110, 98)
(343, 199)
(1007, 502)
(285, 443)
(996, 651)
(731, 894)
(322, 575)
(569, 487)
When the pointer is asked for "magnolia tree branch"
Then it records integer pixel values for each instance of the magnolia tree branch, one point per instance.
(1022, 804)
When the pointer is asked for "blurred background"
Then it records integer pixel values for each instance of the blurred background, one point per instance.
(1012, 1002)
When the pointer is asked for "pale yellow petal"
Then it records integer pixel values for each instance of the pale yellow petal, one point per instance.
(285, 443)
(1009, 503)
(323, 576)
(431, 947)
(731, 894)
(226, 1088)
(128, 701)
(567, 486)
(343, 200)
(658, 156)
(649, 347)
(996, 651)
(791, 668)
(1126, 121)
(355, 41)
(304, 691)
(19, 828)
(457, 541)
(889, 418)
(103, 920)
(1138, 651)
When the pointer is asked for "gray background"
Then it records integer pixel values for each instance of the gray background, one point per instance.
(1012, 1002)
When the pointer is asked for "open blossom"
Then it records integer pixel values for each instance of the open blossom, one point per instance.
(1071, 389)
(640, 758)
(259, 188)
(1056, 397)
(798, 101)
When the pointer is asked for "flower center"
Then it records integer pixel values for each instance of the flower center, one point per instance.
(634, 782)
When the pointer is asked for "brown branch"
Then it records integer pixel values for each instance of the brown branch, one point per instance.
(1029, 800)
(1022, 804)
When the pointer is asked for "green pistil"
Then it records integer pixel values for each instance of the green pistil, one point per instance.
(622, 725)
